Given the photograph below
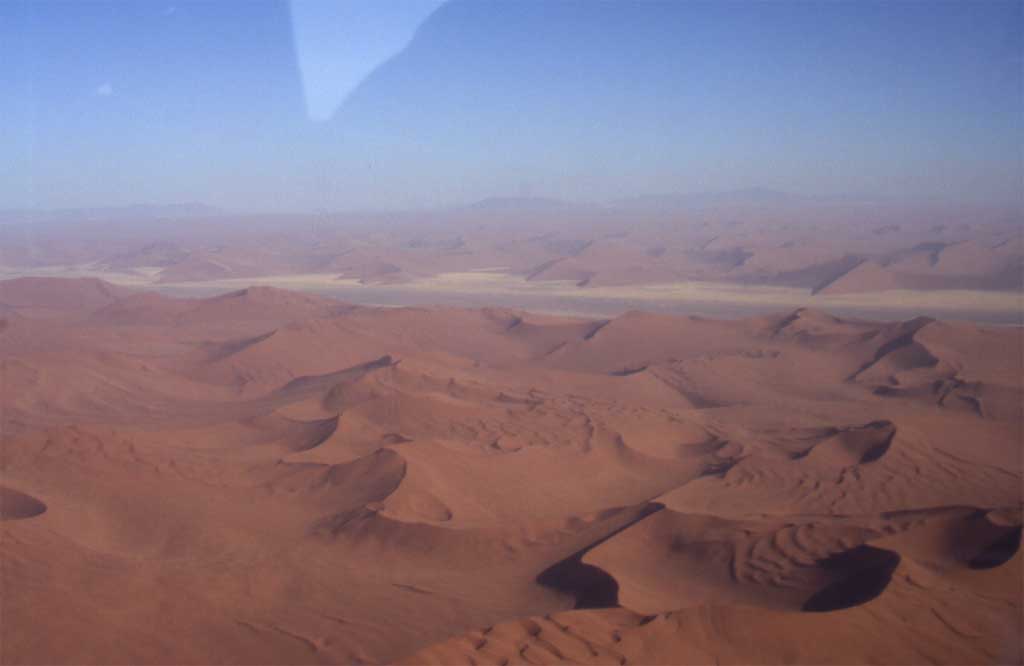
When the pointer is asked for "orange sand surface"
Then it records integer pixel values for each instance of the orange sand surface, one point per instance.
(273, 477)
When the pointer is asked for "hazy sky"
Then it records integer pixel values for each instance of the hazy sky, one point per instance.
(262, 106)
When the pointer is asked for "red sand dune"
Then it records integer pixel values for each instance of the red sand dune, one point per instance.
(271, 477)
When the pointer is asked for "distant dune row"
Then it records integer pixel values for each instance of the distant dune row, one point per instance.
(824, 253)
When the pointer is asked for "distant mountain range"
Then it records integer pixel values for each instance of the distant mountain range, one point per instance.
(139, 211)
(671, 200)
(668, 201)
(522, 204)
(747, 196)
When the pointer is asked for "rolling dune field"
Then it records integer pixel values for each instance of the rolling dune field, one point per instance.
(270, 476)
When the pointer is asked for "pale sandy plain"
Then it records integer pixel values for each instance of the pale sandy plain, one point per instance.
(274, 477)
(495, 286)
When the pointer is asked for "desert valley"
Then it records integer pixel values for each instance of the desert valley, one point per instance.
(268, 476)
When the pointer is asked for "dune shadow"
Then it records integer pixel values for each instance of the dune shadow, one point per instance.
(315, 433)
(16, 505)
(875, 452)
(592, 586)
(998, 552)
(864, 573)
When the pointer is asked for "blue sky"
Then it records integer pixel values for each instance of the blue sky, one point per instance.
(399, 103)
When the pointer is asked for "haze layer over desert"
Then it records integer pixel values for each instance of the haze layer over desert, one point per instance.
(267, 476)
(729, 254)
